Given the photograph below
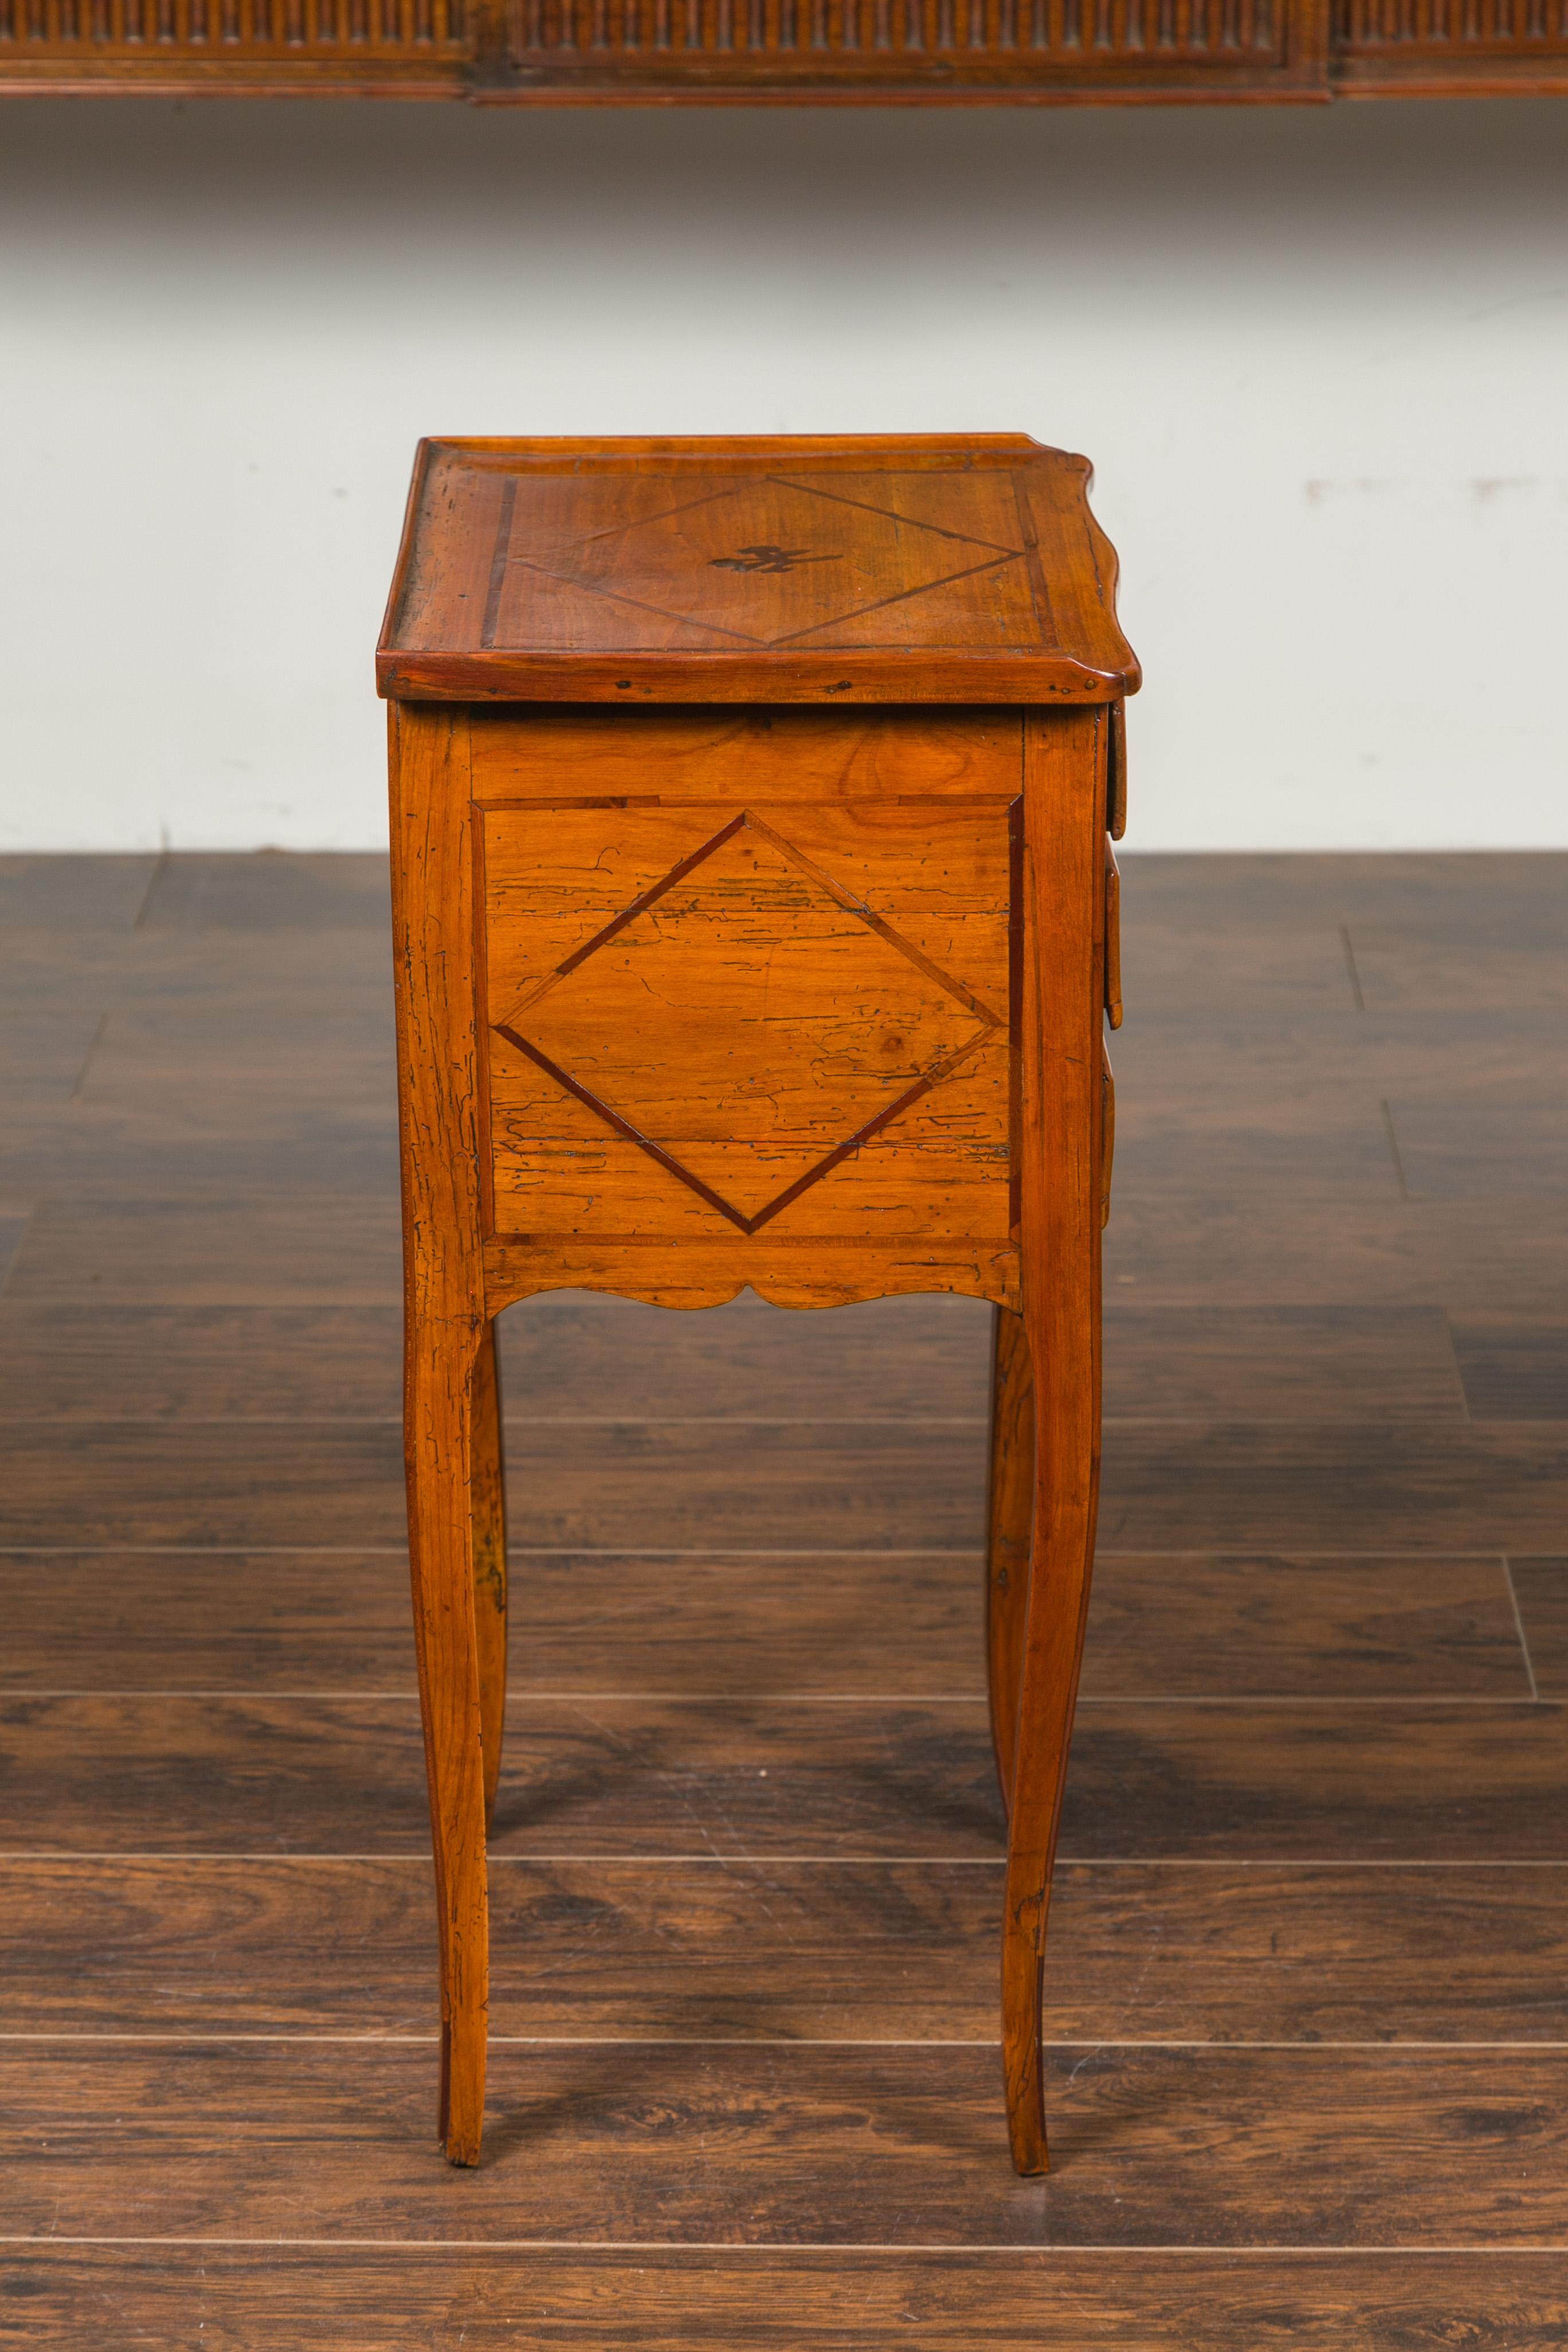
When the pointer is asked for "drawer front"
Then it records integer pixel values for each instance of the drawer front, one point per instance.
(789, 1015)
(551, 753)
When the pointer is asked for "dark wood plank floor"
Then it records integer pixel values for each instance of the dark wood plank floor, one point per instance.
(1308, 1998)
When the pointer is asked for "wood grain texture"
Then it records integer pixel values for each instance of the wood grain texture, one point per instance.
(1336, 1812)
(338, 1773)
(263, 1068)
(80, 1362)
(1541, 1587)
(1495, 1486)
(797, 1485)
(13, 1227)
(1405, 971)
(1515, 896)
(1059, 1208)
(234, 980)
(642, 1025)
(770, 1016)
(109, 1159)
(290, 2300)
(1424, 1780)
(451, 1417)
(578, 1356)
(706, 1947)
(1009, 1522)
(881, 1489)
(1274, 1245)
(1386, 1627)
(1245, 1363)
(73, 893)
(1336, 1151)
(728, 1624)
(1442, 1060)
(271, 891)
(333, 1487)
(489, 1550)
(1515, 1369)
(1483, 1147)
(706, 1271)
(716, 1623)
(1463, 1780)
(46, 1054)
(550, 752)
(896, 569)
(838, 2145)
(254, 1249)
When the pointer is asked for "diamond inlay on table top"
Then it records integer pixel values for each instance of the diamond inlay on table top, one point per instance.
(744, 1000)
(912, 568)
(761, 563)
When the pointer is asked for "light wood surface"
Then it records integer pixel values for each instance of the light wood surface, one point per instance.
(899, 569)
(753, 996)
(455, 1510)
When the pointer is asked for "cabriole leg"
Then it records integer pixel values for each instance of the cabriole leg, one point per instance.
(1009, 1522)
(489, 1559)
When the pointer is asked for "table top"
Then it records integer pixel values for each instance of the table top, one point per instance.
(890, 568)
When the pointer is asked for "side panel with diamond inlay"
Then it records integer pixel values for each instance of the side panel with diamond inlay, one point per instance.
(787, 1016)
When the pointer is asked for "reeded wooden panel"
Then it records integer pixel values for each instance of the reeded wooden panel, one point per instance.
(518, 51)
(817, 51)
(792, 1016)
(416, 48)
(934, 44)
(1453, 45)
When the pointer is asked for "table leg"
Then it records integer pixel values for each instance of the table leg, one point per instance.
(489, 1559)
(1009, 1522)
(1067, 1485)
(1061, 1000)
(444, 1384)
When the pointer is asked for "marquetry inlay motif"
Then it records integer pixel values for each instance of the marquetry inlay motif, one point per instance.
(761, 563)
(747, 1022)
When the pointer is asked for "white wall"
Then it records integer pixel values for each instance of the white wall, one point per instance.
(1317, 357)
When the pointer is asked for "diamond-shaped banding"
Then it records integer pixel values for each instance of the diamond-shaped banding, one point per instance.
(954, 1044)
(763, 561)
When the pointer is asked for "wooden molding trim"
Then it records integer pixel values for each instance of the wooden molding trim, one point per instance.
(779, 52)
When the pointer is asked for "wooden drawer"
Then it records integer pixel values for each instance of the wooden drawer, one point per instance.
(711, 1016)
(550, 752)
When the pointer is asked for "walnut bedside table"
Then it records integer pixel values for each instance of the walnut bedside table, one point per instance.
(755, 924)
